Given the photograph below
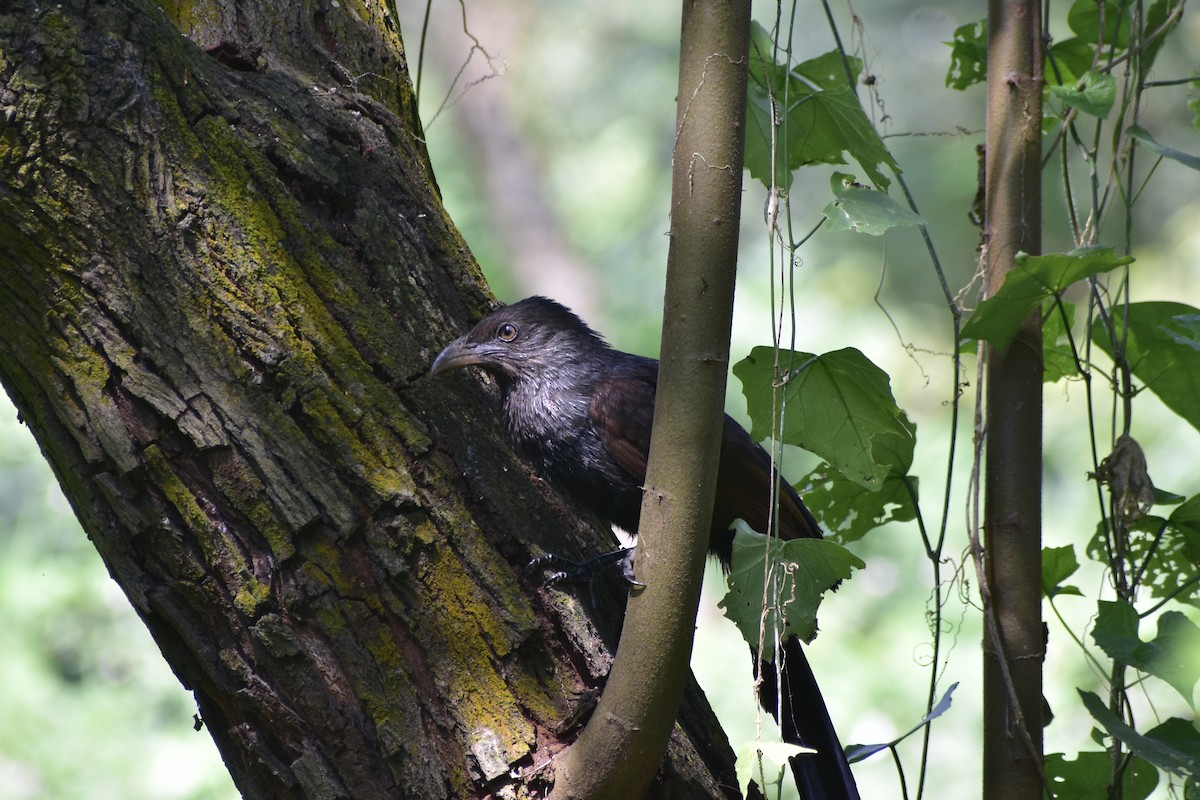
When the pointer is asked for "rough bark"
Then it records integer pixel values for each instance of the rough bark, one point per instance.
(224, 272)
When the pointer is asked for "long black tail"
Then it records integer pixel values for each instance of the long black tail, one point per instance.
(824, 775)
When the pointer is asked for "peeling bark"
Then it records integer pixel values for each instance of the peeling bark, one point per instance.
(224, 272)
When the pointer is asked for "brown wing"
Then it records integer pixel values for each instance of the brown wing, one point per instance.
(622, 411)
(744, 489)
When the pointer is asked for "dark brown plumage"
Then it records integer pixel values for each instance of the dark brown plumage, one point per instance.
(582, 412)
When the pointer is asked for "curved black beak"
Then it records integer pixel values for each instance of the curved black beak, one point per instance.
(459, 353)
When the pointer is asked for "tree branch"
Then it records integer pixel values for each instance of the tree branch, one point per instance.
(622, 746)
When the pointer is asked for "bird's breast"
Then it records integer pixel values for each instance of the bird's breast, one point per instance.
(543, 416)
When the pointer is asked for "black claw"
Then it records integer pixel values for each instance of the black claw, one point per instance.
(567, 570)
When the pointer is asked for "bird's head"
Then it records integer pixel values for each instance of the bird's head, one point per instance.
(526, 339)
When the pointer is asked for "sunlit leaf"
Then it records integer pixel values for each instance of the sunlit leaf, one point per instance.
(862, 209)
(828, 71)
(766, 80)
(1089, 776)
(838, 405)
(968, 55)
(821, 127)
(1116, 629)
(764, 762)
(1172, 656)
(800, 570)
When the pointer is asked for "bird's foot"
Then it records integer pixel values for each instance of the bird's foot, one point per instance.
(567, 570)
(580, 713)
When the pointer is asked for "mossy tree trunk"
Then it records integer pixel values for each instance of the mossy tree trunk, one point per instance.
(224, 270)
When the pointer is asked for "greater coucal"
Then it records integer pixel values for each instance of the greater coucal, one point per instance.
(582, 412)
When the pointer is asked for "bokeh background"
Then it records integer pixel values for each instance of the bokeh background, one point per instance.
(550, 127)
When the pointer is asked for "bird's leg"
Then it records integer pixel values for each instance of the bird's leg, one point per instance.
(567, 570)
(581, 711)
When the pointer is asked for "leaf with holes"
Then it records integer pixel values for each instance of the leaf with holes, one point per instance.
(968, 56)
(791, 575)
(862, 209)
(846, 511)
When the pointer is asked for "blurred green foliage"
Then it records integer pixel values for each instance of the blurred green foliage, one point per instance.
(88, 707)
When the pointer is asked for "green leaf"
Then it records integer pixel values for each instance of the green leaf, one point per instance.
(1162, 347)
(862, 209)
(1089, 776)
(1058, 564)
(1084, 20)
(1032, 281)
(823, 125)
(838, 406)
(1180, 735)
(758, 156)
(800, 570)
(849, 513)
(828, 71)
(1162, 497)
(1172, 656)
(968, 56)
(1147, 141)
(766, 81)
(1173, 746)
(817, 122)
(1169, 550)
(1058, 357)
(1187, 516)
(1094, 93)
(1068, 60)
(1116, 629)
(1156, 17)
(1194, 105)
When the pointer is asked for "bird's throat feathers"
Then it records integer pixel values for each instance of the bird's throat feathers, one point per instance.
(541, 406)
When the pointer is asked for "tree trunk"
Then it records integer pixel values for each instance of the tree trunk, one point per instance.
(1014, 642)
(224, 271)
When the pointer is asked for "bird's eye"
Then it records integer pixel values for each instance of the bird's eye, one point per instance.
(506, 332)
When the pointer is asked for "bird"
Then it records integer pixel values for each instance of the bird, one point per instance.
(581, 412)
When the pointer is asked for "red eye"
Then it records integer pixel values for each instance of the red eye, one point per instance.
(506, 332)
